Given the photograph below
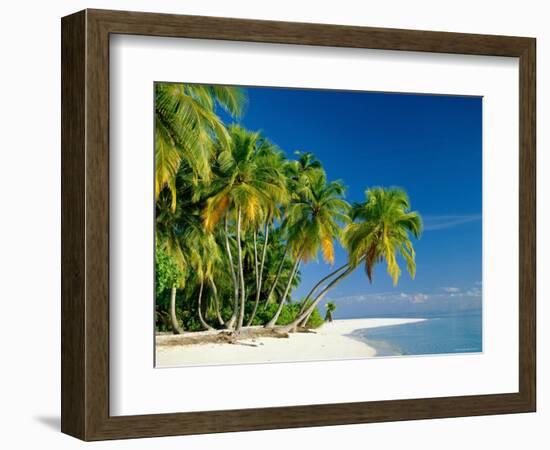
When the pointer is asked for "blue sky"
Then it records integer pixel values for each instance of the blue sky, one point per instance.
(430, 145)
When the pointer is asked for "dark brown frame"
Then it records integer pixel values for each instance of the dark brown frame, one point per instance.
(85, 224)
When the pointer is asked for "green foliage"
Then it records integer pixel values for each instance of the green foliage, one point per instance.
(190, 320)
(167, 271)
(264, 314)
(249, 178)
(314, 217)
(186, 127)
(315, 320)
(380, 231)
(330, 307)
(288, 315)
(233, 212)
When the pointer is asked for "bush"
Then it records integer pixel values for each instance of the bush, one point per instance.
(264, 314)
(315, 320)
(167, 271)
(288, 315)
(188, 317)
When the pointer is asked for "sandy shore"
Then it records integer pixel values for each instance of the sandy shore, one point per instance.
(330, 341)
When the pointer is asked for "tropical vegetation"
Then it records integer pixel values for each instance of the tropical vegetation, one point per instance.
(236, 220)
(330, 307)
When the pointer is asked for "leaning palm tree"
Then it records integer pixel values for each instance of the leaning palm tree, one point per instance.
(313, 223)
(186, 125)
(381, 230)
(246, 188)
(299, 174)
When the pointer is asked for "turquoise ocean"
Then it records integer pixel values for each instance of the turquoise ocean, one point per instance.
(457, 332)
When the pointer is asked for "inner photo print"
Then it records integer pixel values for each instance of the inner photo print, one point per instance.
(308, 224)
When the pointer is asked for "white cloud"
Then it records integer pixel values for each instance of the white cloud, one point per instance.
(443, 222)
(440, 296)
(419, 298)
(474, 292)
(451, 290)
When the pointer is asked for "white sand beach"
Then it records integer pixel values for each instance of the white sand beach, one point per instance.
(330, 341)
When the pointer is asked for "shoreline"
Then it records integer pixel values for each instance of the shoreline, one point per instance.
(331, 341)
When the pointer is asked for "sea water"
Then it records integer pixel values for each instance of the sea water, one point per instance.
(459, 332)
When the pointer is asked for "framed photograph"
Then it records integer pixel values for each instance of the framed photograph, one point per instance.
(272, 225)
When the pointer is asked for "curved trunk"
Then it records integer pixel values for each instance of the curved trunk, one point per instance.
(241, 272)
(259, 277)
(173, 318)
(230, 324)
(274, 319)
(321, 281)
(216, 302)
(303, 323)
(310, 309)
(201, 319)
(276, 281)
(233, 319)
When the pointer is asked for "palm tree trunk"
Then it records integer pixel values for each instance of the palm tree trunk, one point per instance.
(233, 319)
(201, 319)
(305, 304)
(241, 272)
(309, 310)
(173, 318)
(321, 281)
(274, 319)
(259, 278)
(276, 281)
(216, 302)
(264, 251)
(303, 323)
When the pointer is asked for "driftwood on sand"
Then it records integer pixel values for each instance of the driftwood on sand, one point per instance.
(218, 337)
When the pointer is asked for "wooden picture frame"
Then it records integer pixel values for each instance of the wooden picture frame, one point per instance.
(85, 224)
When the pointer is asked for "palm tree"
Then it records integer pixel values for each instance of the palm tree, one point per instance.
(381, 229)
(298, 173)
(247, 186)
(306, 301)
(275, 282)
(186, 126)
(273, 158)
(331, 307)
(231, 265)
(313, 223)
(277, 266)
(173, 224)
(238, 219)
(302, 171)
(217, 306)
(204, 255)
(183, 236)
